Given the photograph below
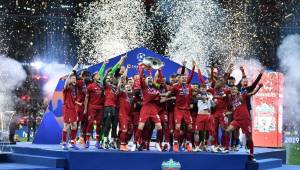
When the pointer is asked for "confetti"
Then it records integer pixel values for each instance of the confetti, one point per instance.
(110, 28)
(207, 32)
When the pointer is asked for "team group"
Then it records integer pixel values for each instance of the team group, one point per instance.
(186, 116)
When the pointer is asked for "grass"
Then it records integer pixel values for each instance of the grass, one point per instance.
(293, 154)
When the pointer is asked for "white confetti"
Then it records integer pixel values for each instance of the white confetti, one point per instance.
(110, 28)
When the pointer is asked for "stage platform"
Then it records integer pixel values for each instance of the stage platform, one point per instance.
(53, 157)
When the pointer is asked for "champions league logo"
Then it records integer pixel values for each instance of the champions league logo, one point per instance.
(140, 57)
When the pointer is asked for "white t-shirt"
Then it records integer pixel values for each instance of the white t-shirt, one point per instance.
(204, 104)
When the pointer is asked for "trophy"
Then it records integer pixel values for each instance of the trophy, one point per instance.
(152, 63)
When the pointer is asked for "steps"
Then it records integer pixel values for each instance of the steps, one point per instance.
(18, 166)
(13, 161)
(3, 157)
(37, 160)
(89, 159)
(287, 167)
(274, 154)
(264, 164)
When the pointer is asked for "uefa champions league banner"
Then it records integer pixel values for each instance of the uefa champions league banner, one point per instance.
(49, 131)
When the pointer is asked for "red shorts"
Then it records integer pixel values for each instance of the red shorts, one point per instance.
(202, 122)
(95, 114)
(245, 125)
(79, 111)
(149, 110)
(219, 119)
(69, 115)
(163, 115)
(125, 121)
(180, 114)
(212, 126)
(135, 118)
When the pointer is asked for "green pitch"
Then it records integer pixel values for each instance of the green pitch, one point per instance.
(293, 154)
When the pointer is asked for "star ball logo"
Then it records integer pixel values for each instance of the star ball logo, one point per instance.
(140, 57)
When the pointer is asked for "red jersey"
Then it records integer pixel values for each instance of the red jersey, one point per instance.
(69, 95)
(137, 100)
(111, 95)
(149, 94)
(221, 102)
(184, 94)
(239, 107)
(163, 89)
(81, 90)
(171, 103)
(96, 99)
(125, 102)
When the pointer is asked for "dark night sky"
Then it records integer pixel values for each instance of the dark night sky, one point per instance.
(43, 29)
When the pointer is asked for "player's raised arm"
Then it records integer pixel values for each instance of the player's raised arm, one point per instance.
(141, 75)
(67, 81)
(254, 84)
(255, 90)
(122, 80)
(213, 80)
(121, 83)
(158, 78)
(191, 73)
(126, 71)
(243, 72)
(101, 72)
(239, 85)
(228, 72)
(200, 76)
(117, 66)
(183, 67)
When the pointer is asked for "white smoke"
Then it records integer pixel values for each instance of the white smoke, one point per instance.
(12, 75)
(251, 66)
(54, 71)
(289, 56)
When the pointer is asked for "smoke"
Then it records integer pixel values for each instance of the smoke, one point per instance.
(54, 71)
(12, 75)
(289, 56)
(252, 68)
(110, 28)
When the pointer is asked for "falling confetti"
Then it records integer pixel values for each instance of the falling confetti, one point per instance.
(199, 34)
(206, 32)
(110, 28)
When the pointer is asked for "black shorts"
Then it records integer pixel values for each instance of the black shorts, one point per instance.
(110, 111)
